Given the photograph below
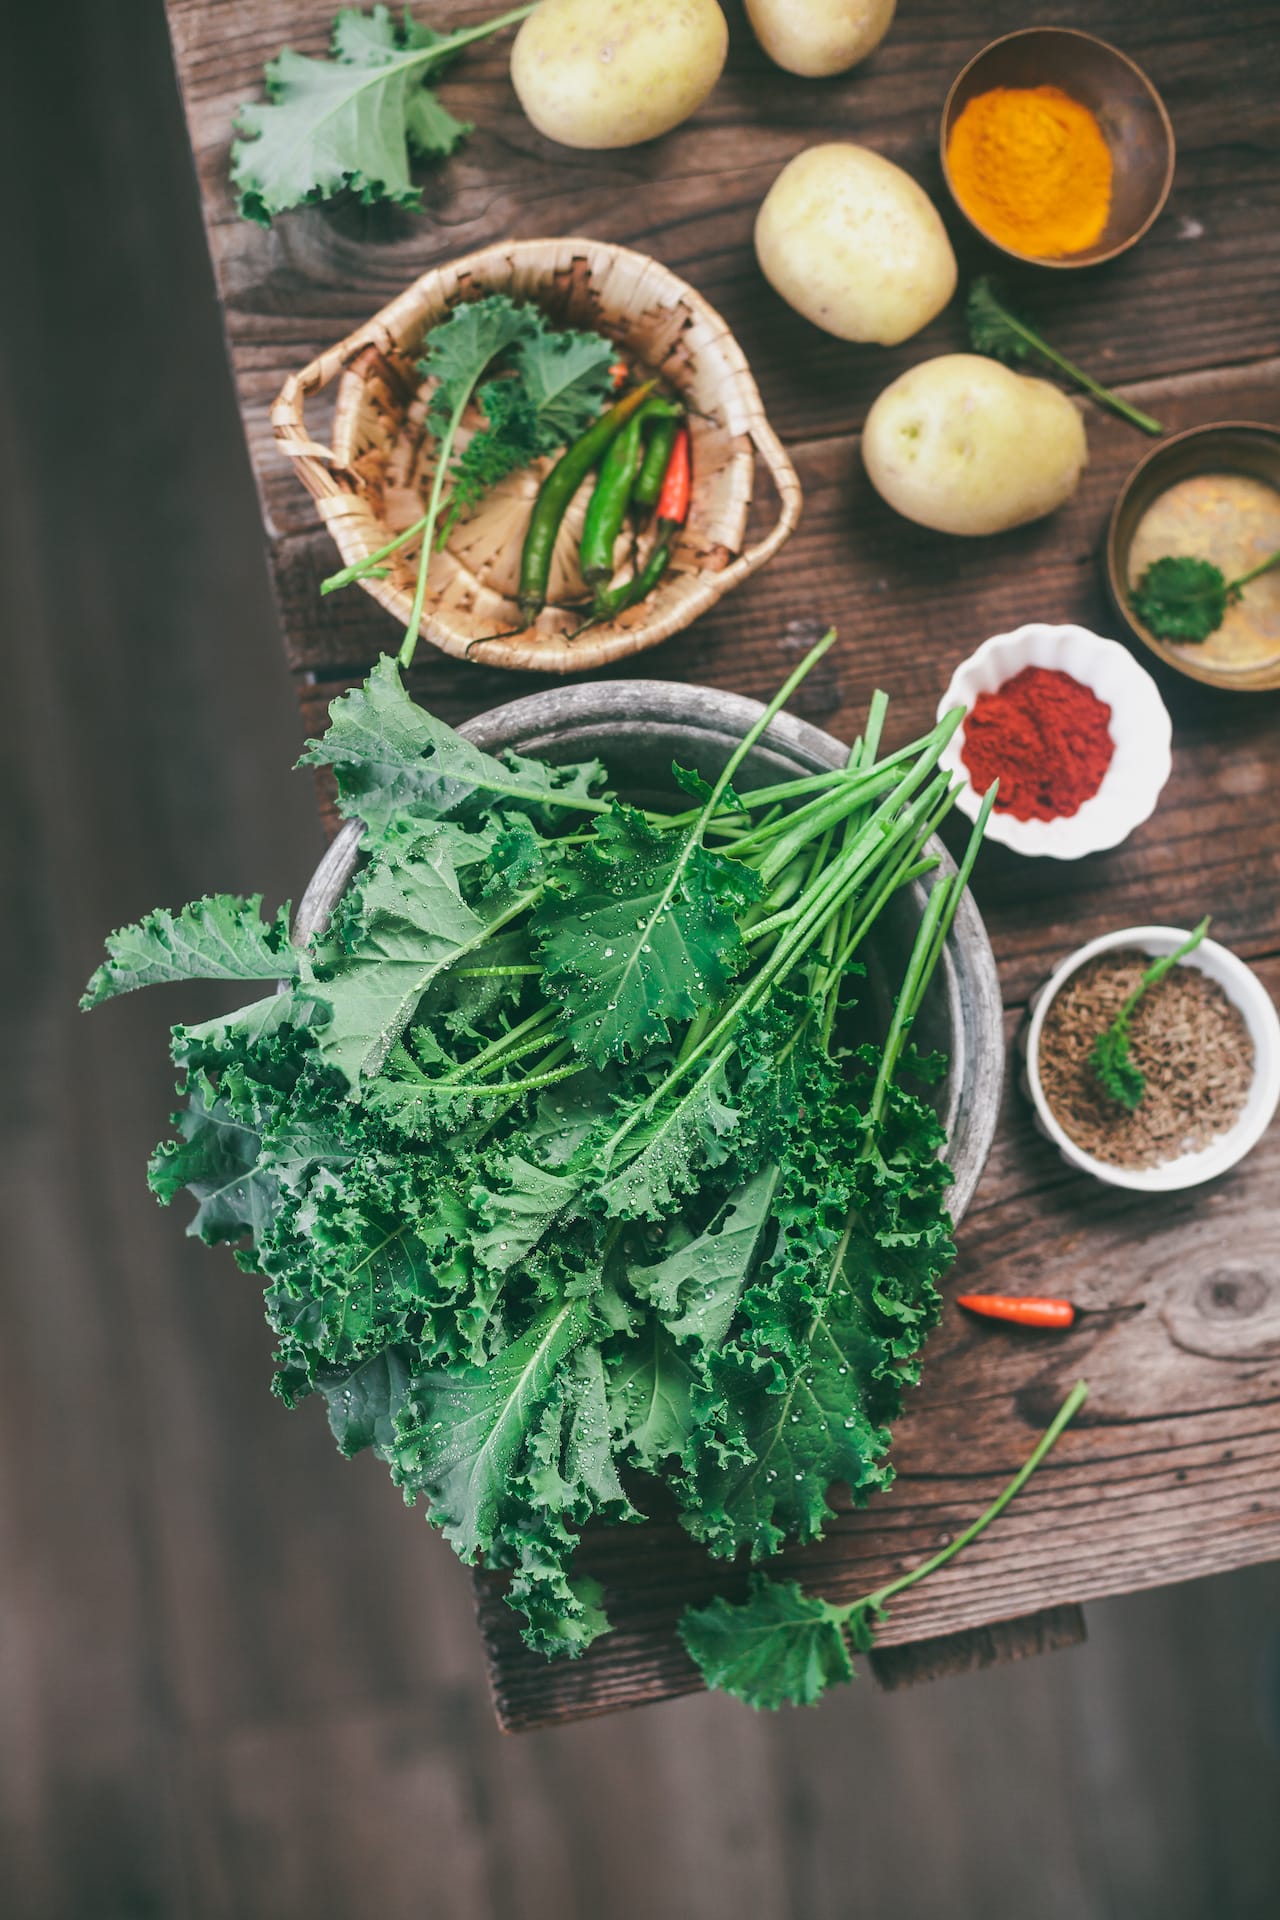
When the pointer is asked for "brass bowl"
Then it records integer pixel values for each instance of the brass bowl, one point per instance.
(1126, 106)
(1234, 447)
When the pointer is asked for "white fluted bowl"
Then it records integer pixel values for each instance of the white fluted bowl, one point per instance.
(1140, 728)
(1245, 991)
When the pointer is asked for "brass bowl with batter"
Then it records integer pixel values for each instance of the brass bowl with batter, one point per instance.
(1213, 492)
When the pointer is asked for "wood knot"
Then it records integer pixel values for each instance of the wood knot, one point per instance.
(1233, 1293)
(1230, 1312)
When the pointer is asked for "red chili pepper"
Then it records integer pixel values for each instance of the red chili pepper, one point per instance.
(1020, 1310)
(673, 501)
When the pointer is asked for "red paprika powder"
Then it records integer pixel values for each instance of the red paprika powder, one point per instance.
(1045, 738)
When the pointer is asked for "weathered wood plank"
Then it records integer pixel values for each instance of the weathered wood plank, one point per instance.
(1049, 1631)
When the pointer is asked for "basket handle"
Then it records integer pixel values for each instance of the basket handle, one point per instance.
(314, 461)
(786, 483)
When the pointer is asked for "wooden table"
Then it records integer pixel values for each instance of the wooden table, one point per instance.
(1174, 1469)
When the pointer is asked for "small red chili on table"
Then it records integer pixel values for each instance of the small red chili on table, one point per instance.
(1020, 1310)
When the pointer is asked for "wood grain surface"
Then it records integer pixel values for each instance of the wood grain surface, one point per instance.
(1174, 1470)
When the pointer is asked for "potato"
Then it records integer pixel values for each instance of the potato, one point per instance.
(611, 73)
(962, 444)
(818, 37)
(851, 242)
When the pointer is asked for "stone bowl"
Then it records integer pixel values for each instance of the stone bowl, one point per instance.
(638, 727)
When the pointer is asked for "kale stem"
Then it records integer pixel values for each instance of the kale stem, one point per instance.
(409, 645)
(774, 707)
(494, 973)
(876, 1602)
(914, 982)
(543, 1016)
(962, 879)
(359, 568)
(484, 1089)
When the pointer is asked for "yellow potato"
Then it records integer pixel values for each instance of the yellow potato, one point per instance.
(963, 444)
(611, 73)
(818, 37)
(851, 242)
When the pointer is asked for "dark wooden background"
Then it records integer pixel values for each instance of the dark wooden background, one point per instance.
(236, 1679)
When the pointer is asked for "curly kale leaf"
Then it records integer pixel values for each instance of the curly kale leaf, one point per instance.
(640, 932)
(465, 1431)
(557, 385)
(783, 1646)
(404, 922)
(1111, 1056)
(778, 1647)
(222, 937)
(650, 1396)
(353, 121)
(364, 1404)
(666, 1155)
(798, 1398)
(390, 756)
(696, 1289)
(218, 1158)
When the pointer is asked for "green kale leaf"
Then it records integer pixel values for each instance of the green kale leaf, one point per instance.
(353, 121)
(221, 937)
(217, 1157)
(639, 932)
(464, 1432)
(390, 756)
(779, 1647)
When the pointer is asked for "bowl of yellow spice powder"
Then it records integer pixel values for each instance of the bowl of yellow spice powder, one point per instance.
(1056, 147)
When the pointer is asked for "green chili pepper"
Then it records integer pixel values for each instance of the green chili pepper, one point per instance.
(654, 465)
(558, 489)
(615, 489)
(608, 504)
(612, 600)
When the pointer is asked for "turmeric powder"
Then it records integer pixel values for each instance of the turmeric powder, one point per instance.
(1032, 168)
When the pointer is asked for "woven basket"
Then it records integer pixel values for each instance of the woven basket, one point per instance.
(372, 482)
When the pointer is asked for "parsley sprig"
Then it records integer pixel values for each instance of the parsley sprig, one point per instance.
(995, 329)
(1111, 1057)
(1185, 598)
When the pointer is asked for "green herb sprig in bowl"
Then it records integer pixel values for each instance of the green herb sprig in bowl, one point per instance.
(1111, 1056)
(1184, 598)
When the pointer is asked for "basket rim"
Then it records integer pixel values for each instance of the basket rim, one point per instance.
(346, 513)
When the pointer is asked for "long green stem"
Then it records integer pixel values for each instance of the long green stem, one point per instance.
(794, 942)
(485, 1089)
(962, 879)
(770, 713)
(409, 646)
(877, 1601)
(359, 568)
(492, 973)
(541, 1017)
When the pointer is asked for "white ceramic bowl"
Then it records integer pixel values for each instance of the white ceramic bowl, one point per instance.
(1243, 987)
(1140, 728)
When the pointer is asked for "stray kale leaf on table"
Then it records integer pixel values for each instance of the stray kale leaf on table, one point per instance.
(354, 121)
(552, 1157)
